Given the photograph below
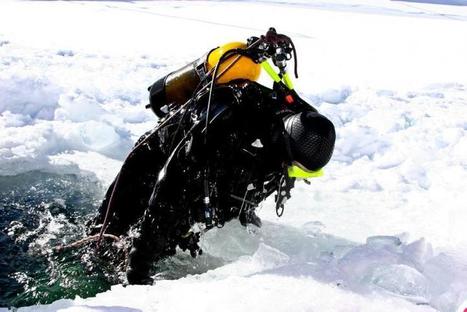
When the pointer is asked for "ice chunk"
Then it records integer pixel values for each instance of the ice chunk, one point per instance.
(8, 119)
(360, 261)
(269, 257)
(97, 136)
(313, 228)
(29, 95)
(383, 241)
(335, 96)
(418, 252)
(402, 280)
(78, 107)
(230, 242)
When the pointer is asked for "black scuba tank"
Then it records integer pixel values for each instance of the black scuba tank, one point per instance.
(176, 88)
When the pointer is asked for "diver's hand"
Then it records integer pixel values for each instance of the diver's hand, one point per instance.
(135, 277)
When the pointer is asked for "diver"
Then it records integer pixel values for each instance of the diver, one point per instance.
(223, 144)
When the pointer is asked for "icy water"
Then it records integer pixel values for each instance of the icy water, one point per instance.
(39, 211)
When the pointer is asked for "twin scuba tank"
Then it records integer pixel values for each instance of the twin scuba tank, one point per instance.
(178, 87)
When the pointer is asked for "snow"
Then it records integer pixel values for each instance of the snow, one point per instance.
(383, 230)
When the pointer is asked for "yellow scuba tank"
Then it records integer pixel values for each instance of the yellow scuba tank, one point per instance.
(234, 67)
(178, 87)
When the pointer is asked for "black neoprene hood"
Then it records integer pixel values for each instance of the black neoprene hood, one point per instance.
(312, 137)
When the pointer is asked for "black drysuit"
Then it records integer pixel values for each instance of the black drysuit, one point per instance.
(238, 161)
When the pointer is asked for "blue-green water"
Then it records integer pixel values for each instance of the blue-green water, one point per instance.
(39, 211)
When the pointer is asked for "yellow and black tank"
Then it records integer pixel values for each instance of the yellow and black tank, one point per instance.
(178, 87)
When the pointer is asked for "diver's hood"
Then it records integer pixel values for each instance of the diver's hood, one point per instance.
(311, 137)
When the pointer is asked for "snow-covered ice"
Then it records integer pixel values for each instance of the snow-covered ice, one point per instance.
(383, 230)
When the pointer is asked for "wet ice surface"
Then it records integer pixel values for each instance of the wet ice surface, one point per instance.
(384, 230)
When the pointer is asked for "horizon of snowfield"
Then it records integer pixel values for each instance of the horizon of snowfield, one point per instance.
(383, 230)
